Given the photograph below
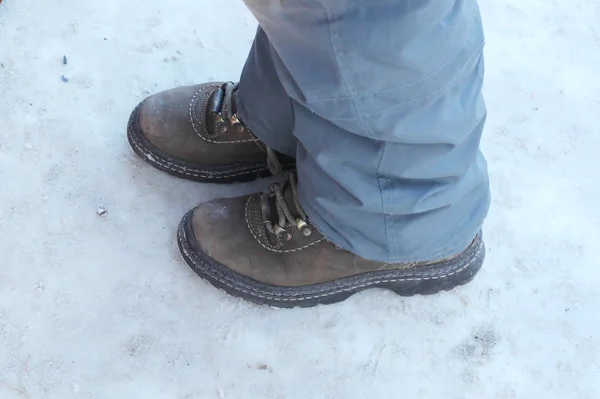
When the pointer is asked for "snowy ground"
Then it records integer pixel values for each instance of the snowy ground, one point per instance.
(103, 307)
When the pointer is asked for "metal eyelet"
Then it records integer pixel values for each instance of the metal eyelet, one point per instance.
(303, 227)
(220, 125)
(281, 232)
(236, 124)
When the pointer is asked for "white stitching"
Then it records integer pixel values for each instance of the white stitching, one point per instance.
(153, 158)
(257, 142)
(264, 246)
(194, 121)
(181, 234)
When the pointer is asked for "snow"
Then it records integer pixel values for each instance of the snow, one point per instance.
(103, 307)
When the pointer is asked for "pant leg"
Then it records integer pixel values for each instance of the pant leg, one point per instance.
(388, 113)
(263, 103)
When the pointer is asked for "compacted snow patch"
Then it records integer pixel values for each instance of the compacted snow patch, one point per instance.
(103, 307)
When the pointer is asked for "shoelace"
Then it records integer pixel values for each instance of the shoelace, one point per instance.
(222, 108)
(226, 118)
(284, 216)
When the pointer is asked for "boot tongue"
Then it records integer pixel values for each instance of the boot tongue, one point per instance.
(273, 162)
(288, 196)
(234, 101)
(292, 201)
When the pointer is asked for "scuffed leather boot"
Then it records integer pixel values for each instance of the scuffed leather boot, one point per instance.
(263, 248)
(194, 133)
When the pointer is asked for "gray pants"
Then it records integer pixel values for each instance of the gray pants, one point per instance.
(380, 101)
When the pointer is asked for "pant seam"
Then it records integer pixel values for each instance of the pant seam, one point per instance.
(335, 49)
(385, 215)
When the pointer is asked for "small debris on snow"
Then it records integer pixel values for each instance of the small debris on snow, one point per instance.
(64, 78)
(65, 61)
(261, 366)
(39, 287)
(101, 211)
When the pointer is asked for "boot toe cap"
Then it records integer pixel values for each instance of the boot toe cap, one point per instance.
(165, 122)
(220, 231)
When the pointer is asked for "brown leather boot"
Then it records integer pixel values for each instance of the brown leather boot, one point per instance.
(194, 133)
(264, 249)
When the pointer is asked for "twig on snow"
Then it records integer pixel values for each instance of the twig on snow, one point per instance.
(21, 392)
(25, 368)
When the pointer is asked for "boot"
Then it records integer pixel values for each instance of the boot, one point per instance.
(194, 133)
(263, 248)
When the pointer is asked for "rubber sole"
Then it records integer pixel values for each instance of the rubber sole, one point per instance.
(237, 172)
(423, 280)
